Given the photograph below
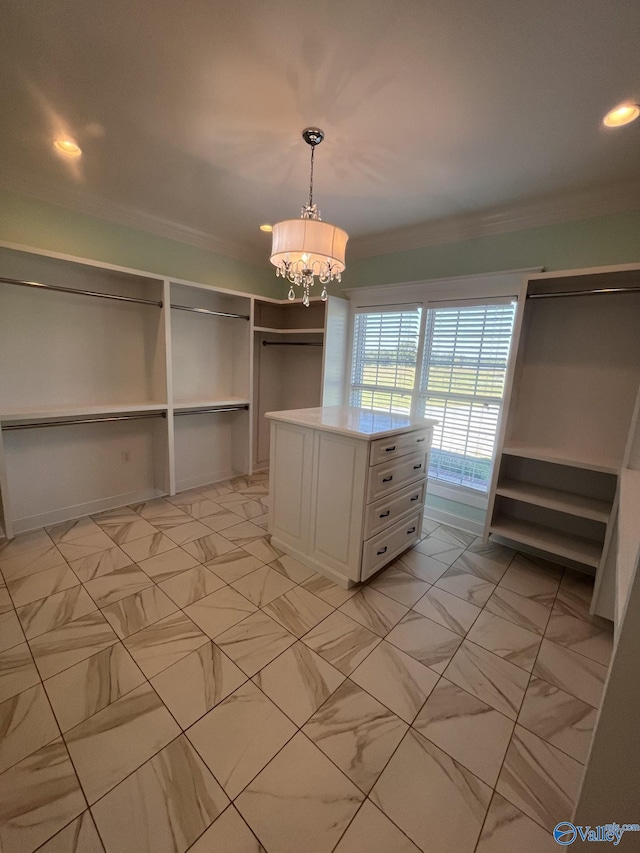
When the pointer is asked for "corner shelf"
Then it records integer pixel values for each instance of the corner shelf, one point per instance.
(561, 501)
(567, 545)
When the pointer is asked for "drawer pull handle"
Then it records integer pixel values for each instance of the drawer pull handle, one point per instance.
(418, 440)
(415, 497)
(383, 550)
(389, 449)
(411, 530)
(388, 479)
(385, 514)
(417, 467)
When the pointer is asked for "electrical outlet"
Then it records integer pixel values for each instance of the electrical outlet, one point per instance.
(126, 456)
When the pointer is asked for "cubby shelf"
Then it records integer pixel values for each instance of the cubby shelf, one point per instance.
(567, 545)
(605, 465)
(567, 502)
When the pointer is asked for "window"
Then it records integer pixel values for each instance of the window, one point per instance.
(385, 353)
(460, 382)
(461, 385)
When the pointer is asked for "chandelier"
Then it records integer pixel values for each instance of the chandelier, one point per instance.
(308, 248)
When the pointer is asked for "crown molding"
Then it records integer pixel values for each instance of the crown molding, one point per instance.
(81, 201)
(551, 210)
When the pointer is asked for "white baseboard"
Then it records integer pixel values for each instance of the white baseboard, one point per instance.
(454, 520)
(69, 513)
(206, 479)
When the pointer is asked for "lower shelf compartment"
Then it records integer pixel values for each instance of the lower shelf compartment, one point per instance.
(560, 543)
(561, 501)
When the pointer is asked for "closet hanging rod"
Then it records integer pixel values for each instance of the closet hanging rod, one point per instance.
(595, 292)
(290, 344)
(213, 411)
(73, 421)
(214, 313)
(81, 292)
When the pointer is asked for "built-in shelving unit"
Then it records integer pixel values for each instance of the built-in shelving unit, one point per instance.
(118, 385)
(210, 356)
(569, 409)
(299, 360)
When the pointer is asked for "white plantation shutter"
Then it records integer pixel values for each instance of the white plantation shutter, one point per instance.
(460, 382)
(385, 351)
(461, 385)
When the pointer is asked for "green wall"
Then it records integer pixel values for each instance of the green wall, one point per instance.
(598, 241)
(45, 226)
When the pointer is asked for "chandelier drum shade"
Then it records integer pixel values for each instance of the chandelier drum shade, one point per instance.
(307, 249)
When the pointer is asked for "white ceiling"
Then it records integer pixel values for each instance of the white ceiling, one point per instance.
(190, 112)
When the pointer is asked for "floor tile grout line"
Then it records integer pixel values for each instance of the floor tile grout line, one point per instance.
(495, 791)
(231, 806)
(75, 771)
(250, 677)
(514, 729)
(302, 637)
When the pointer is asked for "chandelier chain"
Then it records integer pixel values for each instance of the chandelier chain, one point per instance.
(313, 151)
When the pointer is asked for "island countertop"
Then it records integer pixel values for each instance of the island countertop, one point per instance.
(348, 420)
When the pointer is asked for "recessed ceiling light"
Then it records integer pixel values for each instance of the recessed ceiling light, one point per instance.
(622, 114)
(66, 146)
(266, 227)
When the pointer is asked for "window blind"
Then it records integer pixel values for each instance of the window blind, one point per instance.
(461, 385)
(385, 352)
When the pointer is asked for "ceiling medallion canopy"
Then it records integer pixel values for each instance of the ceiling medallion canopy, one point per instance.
(307, 249)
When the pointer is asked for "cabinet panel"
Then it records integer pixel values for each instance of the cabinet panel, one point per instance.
(340, 472)
(292, 455)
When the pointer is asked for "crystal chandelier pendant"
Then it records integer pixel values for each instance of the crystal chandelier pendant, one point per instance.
(307, 250)
(291, 295)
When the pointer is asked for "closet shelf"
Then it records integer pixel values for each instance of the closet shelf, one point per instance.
(557, 456)
(555, 499)
(288, 331)
(187, 405)
(79, 411)
(568, 545)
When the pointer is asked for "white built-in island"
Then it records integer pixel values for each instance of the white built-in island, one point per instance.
(347, 487)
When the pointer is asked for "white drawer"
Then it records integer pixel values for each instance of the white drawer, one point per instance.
(387, 511)
(384, 479)
(399, 445)
(381, 549)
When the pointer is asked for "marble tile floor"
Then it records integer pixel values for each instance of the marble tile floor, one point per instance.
(170, 681)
